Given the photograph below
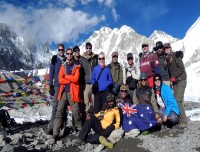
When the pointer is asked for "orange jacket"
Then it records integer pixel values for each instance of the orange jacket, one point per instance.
(73, 78)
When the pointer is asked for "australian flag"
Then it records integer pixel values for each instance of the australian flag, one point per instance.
(137, 116)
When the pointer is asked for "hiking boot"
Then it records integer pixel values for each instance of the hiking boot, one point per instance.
(74, 129)
(182, 126)
(146, 132)
(79, 142)
(55, 137)
(49, 131)
(105, 142)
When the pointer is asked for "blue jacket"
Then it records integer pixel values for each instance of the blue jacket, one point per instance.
(169, 100)
(54, 71)
(105, 79)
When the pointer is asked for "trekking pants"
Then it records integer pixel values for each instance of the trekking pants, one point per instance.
(94, 124)
(76, 115)
(179, 90)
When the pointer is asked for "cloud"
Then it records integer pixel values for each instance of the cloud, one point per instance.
(103, 17)
(47, 24)
(114, 14)
(110, 4)
(70, 3)
(84, 2)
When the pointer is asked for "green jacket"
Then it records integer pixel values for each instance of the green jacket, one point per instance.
(176, 68)
(116, 72)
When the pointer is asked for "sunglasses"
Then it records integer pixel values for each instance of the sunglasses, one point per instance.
(144, 45)
(61, 50)
(101, 58)
(130, 58)
(166, 47)
(115, 56)
(88, 48)
(143, 79)
(156, 79)
(76, 50)
(125, 91)
(109, 101)
(69, 53)
(158, 48)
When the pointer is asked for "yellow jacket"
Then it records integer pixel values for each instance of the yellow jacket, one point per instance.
(109, 116)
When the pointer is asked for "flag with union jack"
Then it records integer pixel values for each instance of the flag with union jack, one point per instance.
(137, 116)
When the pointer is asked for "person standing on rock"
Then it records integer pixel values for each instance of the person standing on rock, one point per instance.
(116, 72)
(69, 93)
(164, 71)
(168, 108)
(179, 79)
(102, 123)
(56, 63)
(148, 63)
(92, 61)
(131, 75)
(101, 80)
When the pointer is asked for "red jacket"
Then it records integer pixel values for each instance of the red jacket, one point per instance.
(73, 78)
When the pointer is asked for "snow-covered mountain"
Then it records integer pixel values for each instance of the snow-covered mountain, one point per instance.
(125, 40)
(17, 54)
(162, 36)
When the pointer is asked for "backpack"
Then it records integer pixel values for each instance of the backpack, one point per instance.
(4, 118)
(54, 59)
(179, 54)
(131, 82)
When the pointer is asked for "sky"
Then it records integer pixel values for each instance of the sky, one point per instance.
(73, 21)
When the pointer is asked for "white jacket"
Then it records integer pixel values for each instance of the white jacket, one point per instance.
(131, 70)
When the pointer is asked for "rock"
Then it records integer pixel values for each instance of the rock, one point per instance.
(40, 147)
(28, 135)
(59, 143)
(89, 147)
(7, 148)
(50, 141)
(3, 131)
(29, 140)
(35, 142)
(1, 138)
(16, 138)
(3, 143)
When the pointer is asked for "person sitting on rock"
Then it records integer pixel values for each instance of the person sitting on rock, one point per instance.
(123, 98)
(135, 117)
(103, 123)
(144, 95)
(168, 108)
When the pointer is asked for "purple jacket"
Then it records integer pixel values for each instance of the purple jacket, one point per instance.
(54, 71)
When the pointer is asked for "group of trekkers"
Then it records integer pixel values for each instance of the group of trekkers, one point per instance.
(137, 98)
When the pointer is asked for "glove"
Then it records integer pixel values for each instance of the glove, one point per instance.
(91, 109)
(140, 54)
(51, 90)
(179, 54)
(128, 80)
(173, 79)
(159, 120)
